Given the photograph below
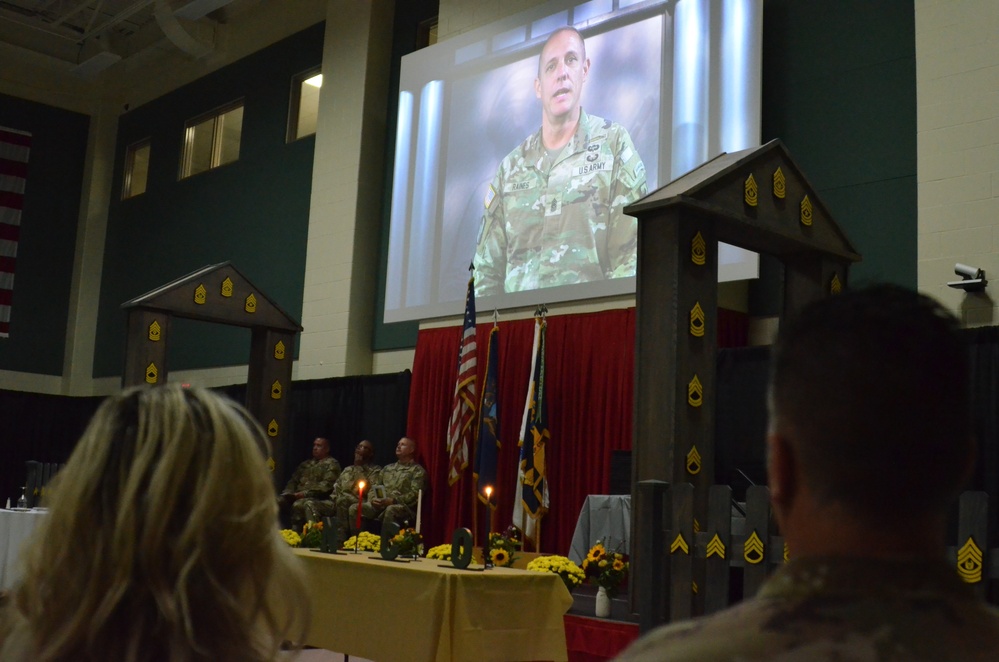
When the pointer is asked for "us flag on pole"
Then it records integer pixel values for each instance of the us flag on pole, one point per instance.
(14, 147)
(460, 430)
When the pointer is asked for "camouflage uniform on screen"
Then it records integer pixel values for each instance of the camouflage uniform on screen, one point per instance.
(849, 610)
(402, 483)
(548, 224)
(345, 493)
(315, 478)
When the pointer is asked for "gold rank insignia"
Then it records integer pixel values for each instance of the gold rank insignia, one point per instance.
(969, 562)
(806, 211)
(697, 320)
(779, 184)
(276, 390)
(751, 191)
(154, 331)
(271, 464)
(227, 287)
(695, 392)
(693, 461)
(279, 350)
(752, 550)
(715, 548)
(200, 295)
(679, 544)
(693, 587)
(835, 287)
(787, 553)
(698, 250)
(697, 526)
(152, 373)
(251, 304)
(273, 428)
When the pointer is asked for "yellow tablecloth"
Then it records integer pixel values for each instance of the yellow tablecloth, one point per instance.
(397, 612)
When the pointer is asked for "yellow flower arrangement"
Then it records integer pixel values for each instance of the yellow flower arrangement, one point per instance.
(503, 546)
(366, 541)
(291, 537)
(605, 569)
(440, 552)
(570, 573)
(409, 542)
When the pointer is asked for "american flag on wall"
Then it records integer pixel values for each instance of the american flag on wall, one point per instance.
(14, 148)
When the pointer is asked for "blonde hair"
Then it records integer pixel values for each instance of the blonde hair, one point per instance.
(161, 542)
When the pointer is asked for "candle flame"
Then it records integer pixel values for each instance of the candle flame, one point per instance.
(360, 485)
(489, 491)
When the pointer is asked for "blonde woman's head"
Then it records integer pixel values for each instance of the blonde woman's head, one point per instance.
(161, 540)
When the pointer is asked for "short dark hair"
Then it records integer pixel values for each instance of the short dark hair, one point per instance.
(871, 386)
(556, 32)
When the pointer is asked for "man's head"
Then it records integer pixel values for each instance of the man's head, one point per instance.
(363, 453)
(870, 406)
(562, 70)
(320, 448)
(405, 450)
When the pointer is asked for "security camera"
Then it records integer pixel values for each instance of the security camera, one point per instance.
(972, 278)
(965, 271)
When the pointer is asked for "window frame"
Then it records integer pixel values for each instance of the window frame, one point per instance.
(129, 170)
(187, 155)
(295, 102)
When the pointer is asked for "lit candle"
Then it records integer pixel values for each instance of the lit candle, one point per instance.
(360, 503)
(491, 512)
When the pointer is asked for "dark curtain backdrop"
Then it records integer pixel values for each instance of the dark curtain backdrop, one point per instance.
(344, 410)
(983, 347)
(590, 372)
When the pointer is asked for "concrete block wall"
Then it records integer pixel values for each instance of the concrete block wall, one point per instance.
(957, 95)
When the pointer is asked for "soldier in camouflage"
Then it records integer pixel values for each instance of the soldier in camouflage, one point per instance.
(869, 443)
(308, 491)
(402, 481)
(345, 489)
(554, 213)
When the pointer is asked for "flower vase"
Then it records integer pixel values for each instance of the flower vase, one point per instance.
(602, 605)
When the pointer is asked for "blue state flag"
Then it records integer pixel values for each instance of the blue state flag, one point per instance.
(487, 451)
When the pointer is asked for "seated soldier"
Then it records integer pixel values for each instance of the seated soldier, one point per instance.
(309, 489)
(345, 488)
(402, 482)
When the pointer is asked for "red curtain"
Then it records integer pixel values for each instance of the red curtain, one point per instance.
(589, 380)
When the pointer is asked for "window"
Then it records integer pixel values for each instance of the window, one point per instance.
(136, 169)
(212, 140)
(304, 108)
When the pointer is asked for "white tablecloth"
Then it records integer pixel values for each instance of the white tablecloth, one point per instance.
(15, 528)
(605, 517)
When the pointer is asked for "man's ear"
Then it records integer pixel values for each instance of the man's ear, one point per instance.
(586, 68)
(782, 471)
(537, 87)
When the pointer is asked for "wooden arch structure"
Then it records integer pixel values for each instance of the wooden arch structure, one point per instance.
(756, 199)
(219, 293)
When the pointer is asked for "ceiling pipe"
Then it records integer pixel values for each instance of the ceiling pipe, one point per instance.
(176, 33)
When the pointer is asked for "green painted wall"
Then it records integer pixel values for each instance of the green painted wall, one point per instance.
(254, 212)
(839, 88)
(49, 220)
